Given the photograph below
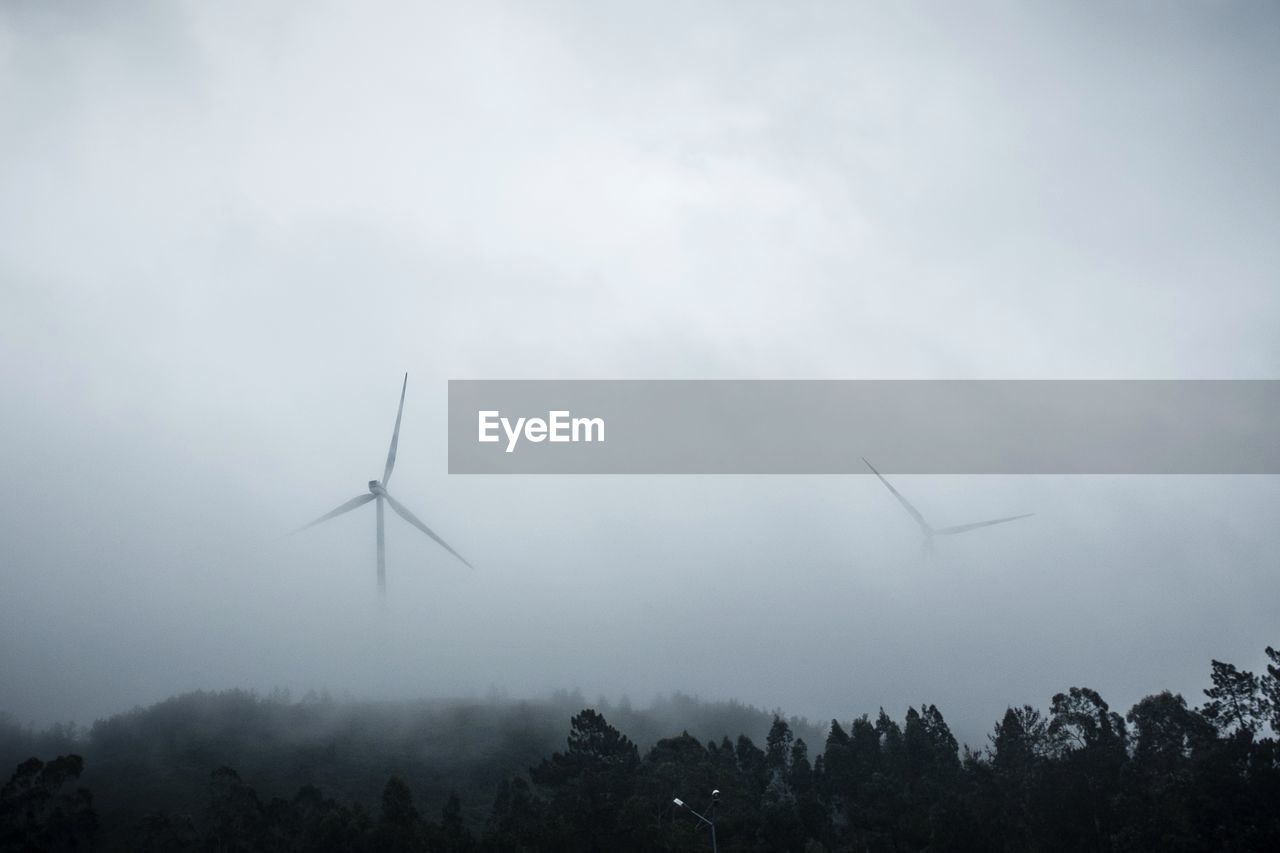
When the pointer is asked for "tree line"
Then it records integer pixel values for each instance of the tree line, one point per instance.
(1167, 775)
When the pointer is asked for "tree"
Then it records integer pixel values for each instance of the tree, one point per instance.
(1166, 732)
(36, 815)
(1019, 739)
(515, 816)
(235, 814)
(777, 750)
(800, 772)
(593, 740)
(945, 748)
(1090, 743)
(453, 835)
(398, 809)
(1160, 795)
(1019, 745)
(1080, 718)
(1271, 689)
(589, 782)
(1235, 705)
(751, 765)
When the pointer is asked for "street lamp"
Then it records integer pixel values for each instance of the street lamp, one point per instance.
(709, 821)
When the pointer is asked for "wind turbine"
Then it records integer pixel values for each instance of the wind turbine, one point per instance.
(929, 530)
(378, 492)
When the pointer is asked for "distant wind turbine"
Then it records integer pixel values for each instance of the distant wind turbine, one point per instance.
(929, 530)
(378, 492)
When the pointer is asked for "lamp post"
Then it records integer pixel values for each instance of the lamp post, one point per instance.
(709, 821)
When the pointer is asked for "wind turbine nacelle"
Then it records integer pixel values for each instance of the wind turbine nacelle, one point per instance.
(375, 487)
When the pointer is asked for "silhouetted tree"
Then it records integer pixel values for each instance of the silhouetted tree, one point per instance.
(1082, 784)
(589, 782)
(399, 826)
(1235, 702)
(1271, 689)
(1165, 776)
(36, 815)
(235, 815)
(777, 751)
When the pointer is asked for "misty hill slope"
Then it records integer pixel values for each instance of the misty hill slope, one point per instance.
(158, 759)
(360, 777)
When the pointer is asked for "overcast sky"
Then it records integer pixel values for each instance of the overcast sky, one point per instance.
(227, 229)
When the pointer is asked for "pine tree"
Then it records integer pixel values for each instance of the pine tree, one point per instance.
(777, 752)
(1235, 703)
(1271, 689)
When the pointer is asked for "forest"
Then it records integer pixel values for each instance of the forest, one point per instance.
(235, 771)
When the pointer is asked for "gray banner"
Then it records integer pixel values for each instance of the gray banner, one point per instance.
(828, 426)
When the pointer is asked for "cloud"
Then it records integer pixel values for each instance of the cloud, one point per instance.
(229, 229)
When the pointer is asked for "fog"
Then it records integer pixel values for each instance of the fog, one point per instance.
(229, 230)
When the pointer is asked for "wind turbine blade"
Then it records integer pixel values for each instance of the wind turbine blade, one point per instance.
(395, 435)
(346, 507)
(961, 528)
(404, 513)
(915, 513)
(382, 554)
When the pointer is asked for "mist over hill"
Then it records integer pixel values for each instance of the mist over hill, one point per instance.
(235, 770)
(158, 758)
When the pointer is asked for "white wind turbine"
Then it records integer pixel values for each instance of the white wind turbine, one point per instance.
(929, 530)
(378, 492)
